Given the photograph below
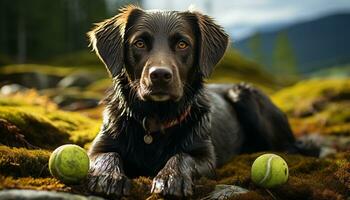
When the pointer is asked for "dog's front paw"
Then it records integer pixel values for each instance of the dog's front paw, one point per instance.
(173, 184)
(114, 185)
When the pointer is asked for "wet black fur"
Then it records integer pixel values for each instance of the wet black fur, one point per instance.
(125, 132)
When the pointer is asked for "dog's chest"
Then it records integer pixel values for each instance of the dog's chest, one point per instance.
(147, 159)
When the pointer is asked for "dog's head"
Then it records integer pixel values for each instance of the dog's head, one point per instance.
(160, 51)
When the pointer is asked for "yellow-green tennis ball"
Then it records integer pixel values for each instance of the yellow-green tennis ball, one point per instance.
(269, 170)
(69, 163)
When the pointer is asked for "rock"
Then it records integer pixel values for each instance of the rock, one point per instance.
(81, 104)
(222, 192)
(73, 103)
(31, 79)
(77, 80)
(327, 151)
(11, 89)
(42, 195)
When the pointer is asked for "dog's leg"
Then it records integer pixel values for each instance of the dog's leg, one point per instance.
(265, 126)
(106, 175)
(175, 179)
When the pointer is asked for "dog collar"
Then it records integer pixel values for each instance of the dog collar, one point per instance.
(152, 125)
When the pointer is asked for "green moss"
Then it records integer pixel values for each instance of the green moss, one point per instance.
(20, 162)
(94, 113)
(343, 175)
(53, 73)
(310, 178)
(237, 173)
(317, 106)
(80, 128)
(141, 188)
(100, 85)
(5, 101)
(37, 129)
(29, 68)
(50, 128)
(308, 95)
(29, 97)
(32, 184)
(251, 195)
(72, 93)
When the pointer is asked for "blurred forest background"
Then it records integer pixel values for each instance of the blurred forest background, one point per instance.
(54, 33)
(51, 83)
(37, 31)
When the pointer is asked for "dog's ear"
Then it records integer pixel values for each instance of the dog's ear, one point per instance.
(107, 38)
(212, 43)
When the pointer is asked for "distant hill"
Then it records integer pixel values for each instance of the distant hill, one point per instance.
(315, 44)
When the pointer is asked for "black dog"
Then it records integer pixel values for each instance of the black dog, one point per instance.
(160, 119)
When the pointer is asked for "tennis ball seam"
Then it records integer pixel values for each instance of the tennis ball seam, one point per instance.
(268, 170)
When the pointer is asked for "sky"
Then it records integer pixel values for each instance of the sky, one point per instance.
(242, 18)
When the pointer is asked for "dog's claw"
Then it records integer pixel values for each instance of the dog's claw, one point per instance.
(157, 186)
(172, 185)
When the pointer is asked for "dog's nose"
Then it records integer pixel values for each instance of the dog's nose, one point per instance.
(160, 74)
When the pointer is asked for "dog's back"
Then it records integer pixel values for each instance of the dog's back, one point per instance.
(245, 120)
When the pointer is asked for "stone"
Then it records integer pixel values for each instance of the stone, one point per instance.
(42, 195)
(223, 191)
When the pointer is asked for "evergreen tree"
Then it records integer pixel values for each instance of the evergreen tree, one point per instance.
(255, 46)
(284, 60)
(41, 29)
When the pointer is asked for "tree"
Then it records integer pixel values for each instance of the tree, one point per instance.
(284, 61)
(255, 46)
(41, 29)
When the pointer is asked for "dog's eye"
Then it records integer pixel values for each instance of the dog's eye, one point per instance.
(139, 44)
(182, 44)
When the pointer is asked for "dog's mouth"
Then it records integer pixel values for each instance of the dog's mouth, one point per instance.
(158, 95)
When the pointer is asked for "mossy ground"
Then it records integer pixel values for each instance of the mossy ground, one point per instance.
(317, 106)
(60, 71)
(310, 178)
(45, 126)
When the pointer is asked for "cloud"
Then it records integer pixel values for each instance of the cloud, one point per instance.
(242, 17)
